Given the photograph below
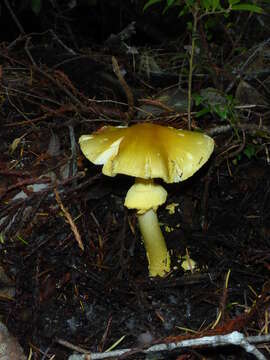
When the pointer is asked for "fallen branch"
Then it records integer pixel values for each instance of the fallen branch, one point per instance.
(234, 338)
(251, 128)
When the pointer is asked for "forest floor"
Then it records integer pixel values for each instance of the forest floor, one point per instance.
(53, 293)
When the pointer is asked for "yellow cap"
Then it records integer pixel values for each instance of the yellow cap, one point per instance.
(148, 151)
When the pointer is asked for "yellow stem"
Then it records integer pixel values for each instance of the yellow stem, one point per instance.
(156, 249)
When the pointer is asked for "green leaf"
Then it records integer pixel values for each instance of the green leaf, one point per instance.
(215, 5)
(165, 10)
(202, 112)
(211, 5)
(248, 7)
(190, 3)
(150, 3)
(250, 151)
(198, 99)
(221, 112)
(206, 4)
(190, 25)
(36, 6)
(233, 2)
(184, 11)
(170, 2)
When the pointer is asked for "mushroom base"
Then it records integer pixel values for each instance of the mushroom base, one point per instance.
(156, 249)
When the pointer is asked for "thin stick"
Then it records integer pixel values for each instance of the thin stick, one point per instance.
(234, 338)
(126, 88)
(191, 58)
(14, 17)
(70, 221)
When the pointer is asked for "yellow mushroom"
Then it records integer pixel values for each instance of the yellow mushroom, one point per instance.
(147, 151)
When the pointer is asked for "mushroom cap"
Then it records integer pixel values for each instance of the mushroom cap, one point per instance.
(147, 151)
(145, 195)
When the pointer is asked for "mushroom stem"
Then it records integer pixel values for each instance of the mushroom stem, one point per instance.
(156, 249)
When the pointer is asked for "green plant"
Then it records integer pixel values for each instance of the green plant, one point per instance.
(249, 152)
(211, 101)
(200, 9)
(36, 6)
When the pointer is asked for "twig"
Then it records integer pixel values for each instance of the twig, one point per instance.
(222, 302)
(157, 103)
(73, 146)
(240, 148)
(56, 38)
(17, 173)
(17, 109)
(14, 17)
(234, 338)
(191, 59)
(21, 183)
(105, 335)
(251, 128)
(126, 88)
(26, 49)
(239, 72)
(70, 221)
(68, 345)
